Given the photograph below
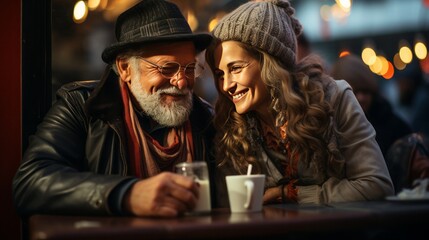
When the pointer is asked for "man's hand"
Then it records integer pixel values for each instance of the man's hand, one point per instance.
(165, 195)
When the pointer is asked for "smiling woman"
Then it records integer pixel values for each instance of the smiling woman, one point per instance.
(291, 121)
(238, 77)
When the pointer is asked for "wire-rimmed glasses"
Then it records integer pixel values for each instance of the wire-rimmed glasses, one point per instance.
(170, 69)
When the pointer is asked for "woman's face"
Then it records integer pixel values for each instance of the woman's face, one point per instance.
(238, 76)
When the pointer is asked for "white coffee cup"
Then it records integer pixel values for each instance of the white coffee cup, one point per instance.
(245, 192)
(199, 172)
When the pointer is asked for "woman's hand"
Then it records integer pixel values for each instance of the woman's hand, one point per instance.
(273, 195)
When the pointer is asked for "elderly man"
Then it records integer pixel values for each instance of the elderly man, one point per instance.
(110, 146)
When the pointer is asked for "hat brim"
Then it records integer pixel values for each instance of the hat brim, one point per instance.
(201, 42)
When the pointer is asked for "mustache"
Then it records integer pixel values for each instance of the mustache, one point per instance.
(174, 91)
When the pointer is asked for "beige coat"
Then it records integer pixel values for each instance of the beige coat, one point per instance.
(365, 175)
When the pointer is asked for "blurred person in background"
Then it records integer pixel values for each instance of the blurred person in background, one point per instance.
(305, 50)
(412, 99)
(420, 120)
(388, 125)
(302, 129)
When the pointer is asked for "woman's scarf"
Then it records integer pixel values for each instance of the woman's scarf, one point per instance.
(279, 143)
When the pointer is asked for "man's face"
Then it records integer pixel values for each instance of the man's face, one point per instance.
(167, 100)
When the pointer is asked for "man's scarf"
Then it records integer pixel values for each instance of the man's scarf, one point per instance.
(148, 157)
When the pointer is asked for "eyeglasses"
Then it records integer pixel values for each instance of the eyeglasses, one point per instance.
(170, 69)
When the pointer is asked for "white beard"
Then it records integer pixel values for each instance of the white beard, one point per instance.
(171, 115)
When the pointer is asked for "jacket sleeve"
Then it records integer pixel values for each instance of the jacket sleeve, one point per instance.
(54, 176)
(365, 174)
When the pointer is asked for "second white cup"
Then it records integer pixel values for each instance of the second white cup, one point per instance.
(245, 192)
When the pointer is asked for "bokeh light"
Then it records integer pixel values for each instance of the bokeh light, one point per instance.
(376, 66)
(405, 54)
(93, 4)
(420, 50)
(80, 12)
(390, 71)
(384, 65)
(368, 56)
(192, 20)
(325, 12)
(344, 53)
(399, 64)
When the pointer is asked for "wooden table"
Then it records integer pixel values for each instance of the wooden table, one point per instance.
(360, 220)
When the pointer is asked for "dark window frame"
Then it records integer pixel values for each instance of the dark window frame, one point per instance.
(36, 65)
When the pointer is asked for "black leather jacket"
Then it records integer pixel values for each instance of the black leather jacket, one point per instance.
(79, 153)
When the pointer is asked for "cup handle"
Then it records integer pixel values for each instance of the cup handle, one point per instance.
(249, 186)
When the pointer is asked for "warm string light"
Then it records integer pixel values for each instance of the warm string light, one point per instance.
(399, 64)
(93, 4)
(378, 63)
(80, 12)
(339, 10)
(81, 9)
(420, 48)
(192, 20)
(383, 67)
(110, 8)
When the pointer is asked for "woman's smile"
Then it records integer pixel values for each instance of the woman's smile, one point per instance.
(239, 95)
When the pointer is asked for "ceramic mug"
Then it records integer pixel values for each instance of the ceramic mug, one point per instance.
(245, 192)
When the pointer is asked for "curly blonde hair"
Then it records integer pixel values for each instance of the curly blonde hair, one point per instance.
(298, 98)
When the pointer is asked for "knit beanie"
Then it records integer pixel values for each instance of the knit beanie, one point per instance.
(268, 25)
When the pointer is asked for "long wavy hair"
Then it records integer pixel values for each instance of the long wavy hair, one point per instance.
(299, 97)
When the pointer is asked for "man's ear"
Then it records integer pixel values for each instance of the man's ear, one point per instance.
(124, 69)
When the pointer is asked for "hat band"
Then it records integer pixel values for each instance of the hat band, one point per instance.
(159, 28)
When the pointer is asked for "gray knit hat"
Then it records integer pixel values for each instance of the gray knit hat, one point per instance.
(268, 25)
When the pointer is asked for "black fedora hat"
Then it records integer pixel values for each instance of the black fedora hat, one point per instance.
(152, 21)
